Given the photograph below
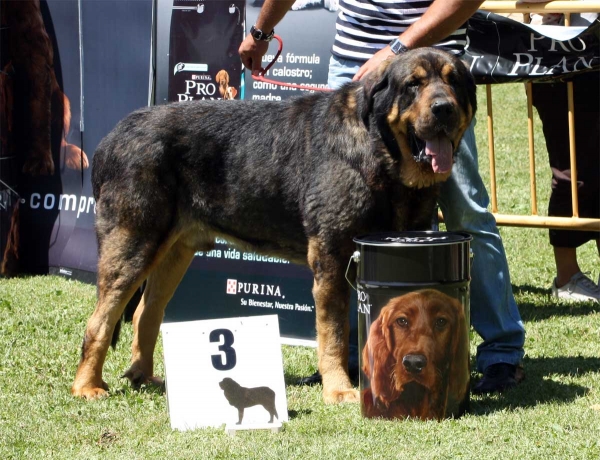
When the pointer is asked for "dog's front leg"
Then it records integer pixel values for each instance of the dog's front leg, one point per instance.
(331, 294)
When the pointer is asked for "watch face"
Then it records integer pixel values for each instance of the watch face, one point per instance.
(258, 34)
(397, 47)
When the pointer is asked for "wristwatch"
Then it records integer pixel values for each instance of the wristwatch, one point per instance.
(397, 46)
(259, 35)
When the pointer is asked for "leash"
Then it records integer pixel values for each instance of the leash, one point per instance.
(260, 77)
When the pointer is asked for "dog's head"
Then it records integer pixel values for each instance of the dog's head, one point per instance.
(222, 78)
(228, 383)
(417, 339)
(421, 102)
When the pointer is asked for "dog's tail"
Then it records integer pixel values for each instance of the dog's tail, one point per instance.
(116, 333)
(127, 315)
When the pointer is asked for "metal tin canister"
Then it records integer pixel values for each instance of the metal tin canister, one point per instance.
(413, 323)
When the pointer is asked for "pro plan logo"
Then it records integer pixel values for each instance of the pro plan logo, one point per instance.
(238, 287)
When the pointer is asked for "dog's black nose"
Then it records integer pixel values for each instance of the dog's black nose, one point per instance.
(442, 109)
(414, 363)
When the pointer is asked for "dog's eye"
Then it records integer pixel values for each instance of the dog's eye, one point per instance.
(413, 83)
(441, 322)
(402, 322)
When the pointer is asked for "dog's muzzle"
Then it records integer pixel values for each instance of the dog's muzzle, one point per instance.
(414, 363)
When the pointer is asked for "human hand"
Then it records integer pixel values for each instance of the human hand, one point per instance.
(373, 63)
(251, 52)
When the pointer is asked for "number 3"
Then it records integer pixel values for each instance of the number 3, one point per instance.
(226, 336)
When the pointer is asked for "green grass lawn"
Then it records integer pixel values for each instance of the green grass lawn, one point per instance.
(553, 414)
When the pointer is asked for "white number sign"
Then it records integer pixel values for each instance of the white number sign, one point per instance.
(225, 371)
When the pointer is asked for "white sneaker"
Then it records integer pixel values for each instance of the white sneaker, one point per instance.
(579, 288)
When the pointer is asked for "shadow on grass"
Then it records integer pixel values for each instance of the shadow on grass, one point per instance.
(538, 388)
(545, 306)
(148, 388)
(298, 413)
(525, 289)
(294, 380)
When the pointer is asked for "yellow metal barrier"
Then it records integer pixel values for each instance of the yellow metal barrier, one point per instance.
(534, 220)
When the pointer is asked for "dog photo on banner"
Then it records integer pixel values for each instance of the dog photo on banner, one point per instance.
(203, 60)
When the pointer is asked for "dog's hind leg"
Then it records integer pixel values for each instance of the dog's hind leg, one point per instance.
(272, 412)
(124, 262)
(148, 316)
(332, 294)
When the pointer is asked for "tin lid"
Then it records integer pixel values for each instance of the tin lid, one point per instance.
(416, 238)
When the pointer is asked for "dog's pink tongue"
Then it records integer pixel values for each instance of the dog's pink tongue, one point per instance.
(440, 150)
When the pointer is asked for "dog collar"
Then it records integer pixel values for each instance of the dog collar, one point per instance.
(259, 35)
(398, 47)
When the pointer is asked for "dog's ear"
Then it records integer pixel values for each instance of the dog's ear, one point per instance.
(378, 360)
(468, 83)
(373, 83)
(459, 372)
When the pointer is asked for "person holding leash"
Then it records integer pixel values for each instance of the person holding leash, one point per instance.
(367, 33)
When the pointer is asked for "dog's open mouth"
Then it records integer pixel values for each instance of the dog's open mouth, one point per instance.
(436, 151)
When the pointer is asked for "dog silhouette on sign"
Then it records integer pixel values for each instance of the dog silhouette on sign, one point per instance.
(241, 398)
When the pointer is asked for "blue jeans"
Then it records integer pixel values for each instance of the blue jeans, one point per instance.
(464, 201)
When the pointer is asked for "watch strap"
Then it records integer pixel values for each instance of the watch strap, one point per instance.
(397, 46)
(259, 35)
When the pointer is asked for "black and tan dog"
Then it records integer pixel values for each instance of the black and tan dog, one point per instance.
(298, 179)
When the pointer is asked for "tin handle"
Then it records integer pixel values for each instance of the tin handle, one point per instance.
(355, 257)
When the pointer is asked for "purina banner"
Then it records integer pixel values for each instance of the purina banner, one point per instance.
(227, 282)
(307, 33)
(502, 50)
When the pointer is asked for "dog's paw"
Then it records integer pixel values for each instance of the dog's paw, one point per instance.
(75, 158)
(349, 395)
(90, 391)
(139, 378)
(135, 376)
(157, 381)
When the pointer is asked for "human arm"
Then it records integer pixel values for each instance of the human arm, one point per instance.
(441, 19)
(251, 51)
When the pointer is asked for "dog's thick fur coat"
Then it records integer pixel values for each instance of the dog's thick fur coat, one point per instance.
(298, 179)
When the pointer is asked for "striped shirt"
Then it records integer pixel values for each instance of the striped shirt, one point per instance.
(363, 27)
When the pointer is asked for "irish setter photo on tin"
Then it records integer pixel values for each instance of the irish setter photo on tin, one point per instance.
(416, 358)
